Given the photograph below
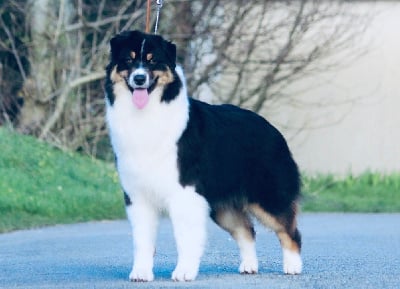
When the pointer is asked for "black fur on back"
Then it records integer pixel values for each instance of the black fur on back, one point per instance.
(235, 157)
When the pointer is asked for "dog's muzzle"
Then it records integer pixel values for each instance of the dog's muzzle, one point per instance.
(139, 78)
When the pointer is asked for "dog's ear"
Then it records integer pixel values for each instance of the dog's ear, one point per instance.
(117, 42)
(170, 50)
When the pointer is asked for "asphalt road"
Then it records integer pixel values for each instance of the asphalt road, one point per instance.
(340, 251)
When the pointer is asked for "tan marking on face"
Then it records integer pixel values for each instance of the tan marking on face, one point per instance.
(118, 80)
(149, 56)
(133, 54)
(115, 76)
(164, 77)
(123, 73)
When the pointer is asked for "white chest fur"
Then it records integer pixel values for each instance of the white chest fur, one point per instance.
(145, 141)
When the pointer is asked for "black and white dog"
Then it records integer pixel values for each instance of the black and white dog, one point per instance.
(192, 160)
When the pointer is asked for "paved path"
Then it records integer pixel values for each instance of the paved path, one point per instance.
(340, 251)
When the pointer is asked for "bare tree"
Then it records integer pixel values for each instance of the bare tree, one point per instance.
(242, 52)
(13, 62)
(247, 52)
(66, 45)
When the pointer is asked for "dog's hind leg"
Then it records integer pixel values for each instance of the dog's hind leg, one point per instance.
(238, 224)
(285, 228)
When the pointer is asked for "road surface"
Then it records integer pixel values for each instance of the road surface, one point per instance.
(339, 251)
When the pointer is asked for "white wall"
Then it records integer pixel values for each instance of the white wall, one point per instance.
(362, 131)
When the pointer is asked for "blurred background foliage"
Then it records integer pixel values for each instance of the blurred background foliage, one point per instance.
(53, 54)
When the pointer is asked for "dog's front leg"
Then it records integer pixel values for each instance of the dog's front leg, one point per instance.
(188, 212)
(144, 220)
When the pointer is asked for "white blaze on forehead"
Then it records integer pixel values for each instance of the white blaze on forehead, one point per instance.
(142, 49)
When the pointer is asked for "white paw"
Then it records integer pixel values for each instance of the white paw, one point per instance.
(184, 273)
(249, 266)
(141, 275)
(292, 263)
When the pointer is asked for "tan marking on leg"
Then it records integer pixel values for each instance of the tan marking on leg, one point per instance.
(265, 218)
(288, 242)
(239, 225)
(293, 224)
(284, 226)
(235, 223)
(278, 226)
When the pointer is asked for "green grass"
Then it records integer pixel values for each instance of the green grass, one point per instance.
(41, 185)
(369, 192)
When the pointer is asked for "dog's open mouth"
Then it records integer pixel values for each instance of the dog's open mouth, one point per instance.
(140, 97)
(140, 90)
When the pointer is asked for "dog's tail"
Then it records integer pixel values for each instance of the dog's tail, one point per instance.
(179, 71)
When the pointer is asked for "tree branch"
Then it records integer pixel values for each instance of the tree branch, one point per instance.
(63, 98)
(14, 49)
(97, 24)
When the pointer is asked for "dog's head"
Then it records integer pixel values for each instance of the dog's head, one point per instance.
(142, 62)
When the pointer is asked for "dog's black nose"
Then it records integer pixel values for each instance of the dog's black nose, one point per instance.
(139, 79)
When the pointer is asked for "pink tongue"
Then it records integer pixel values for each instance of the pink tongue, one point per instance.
(140, 97)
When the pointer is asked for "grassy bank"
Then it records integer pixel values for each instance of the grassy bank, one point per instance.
(41, 185)
(369, 192)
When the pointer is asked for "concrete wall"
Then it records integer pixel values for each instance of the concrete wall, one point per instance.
(353, 123)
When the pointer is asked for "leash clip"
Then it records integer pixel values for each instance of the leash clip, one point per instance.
(159, 6)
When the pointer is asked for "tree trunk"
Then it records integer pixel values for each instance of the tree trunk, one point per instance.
(47, 19)
(184, 28)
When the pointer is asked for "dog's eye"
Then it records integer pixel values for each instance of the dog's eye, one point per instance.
(128, 60)
(150, 58)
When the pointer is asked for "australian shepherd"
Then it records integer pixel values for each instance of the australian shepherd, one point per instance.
(192, 160)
